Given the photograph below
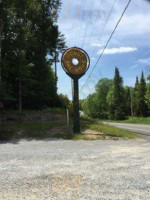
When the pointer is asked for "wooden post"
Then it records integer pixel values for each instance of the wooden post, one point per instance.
(67, 118)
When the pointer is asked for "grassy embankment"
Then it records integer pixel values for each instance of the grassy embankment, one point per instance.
(135, 120)
(52, 124)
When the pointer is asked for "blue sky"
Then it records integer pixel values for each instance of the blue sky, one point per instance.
(83, 26)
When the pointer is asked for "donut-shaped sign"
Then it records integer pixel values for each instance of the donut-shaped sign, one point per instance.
(75, 61)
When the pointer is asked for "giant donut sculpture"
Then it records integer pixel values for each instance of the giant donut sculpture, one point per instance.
(81, 56)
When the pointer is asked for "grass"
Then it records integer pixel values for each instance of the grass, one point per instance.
(36, 112)
(40, 130)
(111, 131)
(29, 129)
(135, 120)
(138, 120)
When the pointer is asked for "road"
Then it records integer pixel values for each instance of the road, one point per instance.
(75, 170)
(137, 128)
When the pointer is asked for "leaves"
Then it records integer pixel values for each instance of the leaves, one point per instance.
(30, 33)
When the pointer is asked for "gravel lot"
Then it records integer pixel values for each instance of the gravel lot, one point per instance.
(69, 170)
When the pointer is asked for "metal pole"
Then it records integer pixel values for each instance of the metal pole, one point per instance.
(76, 116)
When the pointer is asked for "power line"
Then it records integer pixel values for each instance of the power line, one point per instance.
(105, 24)
(86, 27)
(107, 43)
(80, 20)
(93, 27)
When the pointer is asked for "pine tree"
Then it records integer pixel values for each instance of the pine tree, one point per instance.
(148, 95)
(127, 98)
(30, 33)
(135, 97)
(141, 101)
(116, 98)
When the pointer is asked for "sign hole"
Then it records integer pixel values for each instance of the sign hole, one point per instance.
(75, 61)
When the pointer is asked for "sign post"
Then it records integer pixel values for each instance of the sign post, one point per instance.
(75, 62)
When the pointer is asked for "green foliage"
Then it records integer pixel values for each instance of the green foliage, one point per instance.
(102, 89)
(138, 120)
(111, 131)
(140, 97)
(30, 33)
(127, 99)
(135, 96)
(96, 105)
(116, 99)
(64, 101)
(112, 100)
(91, 105)
(147, 97)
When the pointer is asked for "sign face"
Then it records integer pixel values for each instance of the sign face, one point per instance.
(75, 61)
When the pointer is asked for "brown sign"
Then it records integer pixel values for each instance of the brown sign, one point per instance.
(75, 61)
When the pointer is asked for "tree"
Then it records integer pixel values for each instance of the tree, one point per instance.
(95, 105)
(102, 88)
(148, 94)
(115, 98)
(64, 101)
(30, 33)
(136, 97)
(127, 100)
(90, 107)
(141, 97)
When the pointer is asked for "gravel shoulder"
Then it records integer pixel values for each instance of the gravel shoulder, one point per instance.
(68, 170)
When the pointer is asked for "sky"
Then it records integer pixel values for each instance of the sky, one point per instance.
(89, 23)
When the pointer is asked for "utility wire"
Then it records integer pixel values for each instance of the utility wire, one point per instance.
(107, 43)
(80, 20)
(105, 24)
(93, 27)
(87, 25)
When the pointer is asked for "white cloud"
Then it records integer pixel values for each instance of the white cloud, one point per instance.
(96, 44)
(145, 61)
(118, 50)
(134, 66)
(140, 62)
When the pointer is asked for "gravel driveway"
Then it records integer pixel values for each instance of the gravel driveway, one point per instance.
(69, 170)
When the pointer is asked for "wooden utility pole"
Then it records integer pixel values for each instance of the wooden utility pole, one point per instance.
(1, 32)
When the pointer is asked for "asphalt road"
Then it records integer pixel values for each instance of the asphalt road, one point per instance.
(75, 170)
(137, 128)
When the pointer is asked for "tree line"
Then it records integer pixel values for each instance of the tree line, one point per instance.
(29, 33)
(112, 100)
